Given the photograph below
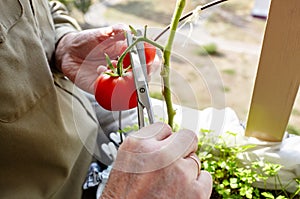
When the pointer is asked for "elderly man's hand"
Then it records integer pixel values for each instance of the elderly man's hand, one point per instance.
(155, 163)
(79, 55)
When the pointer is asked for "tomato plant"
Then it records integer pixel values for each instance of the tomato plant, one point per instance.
(116, 93)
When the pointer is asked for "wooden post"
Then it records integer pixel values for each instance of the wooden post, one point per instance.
(278, 74)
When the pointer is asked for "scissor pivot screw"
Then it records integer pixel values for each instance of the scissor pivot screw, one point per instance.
(142, 90)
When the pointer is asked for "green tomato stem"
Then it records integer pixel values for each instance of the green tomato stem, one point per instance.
(120, 70)
(167, 62)
(139, 39)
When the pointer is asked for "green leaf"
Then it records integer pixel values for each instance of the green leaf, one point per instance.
(246, 190)
(225, 182)
(222, 164)
(219, 174)
(111, 74)
(108, 61)
(128, 129)
(271, 169)
(205, 131)
(127, 69)
(246, 147)
(281, 197)
(231, 133)
(233, 183)
(268, 195)
(249, 194)
(133, 30)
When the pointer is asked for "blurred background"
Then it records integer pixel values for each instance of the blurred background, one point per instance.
(227, 37)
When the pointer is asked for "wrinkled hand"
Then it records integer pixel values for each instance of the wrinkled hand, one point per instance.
(155, 163)
(79, 55)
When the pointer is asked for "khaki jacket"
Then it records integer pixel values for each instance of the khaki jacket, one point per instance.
(47, 128)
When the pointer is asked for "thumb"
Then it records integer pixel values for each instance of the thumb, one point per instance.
(101, 69)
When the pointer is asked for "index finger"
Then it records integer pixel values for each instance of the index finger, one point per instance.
(120, 28)
(158, 130)
(183, 143)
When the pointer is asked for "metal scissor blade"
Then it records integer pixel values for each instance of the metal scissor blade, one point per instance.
(141, 52)
(140, 82)
(146, 97)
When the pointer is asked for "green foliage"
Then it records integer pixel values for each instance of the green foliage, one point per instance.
(157, 95)
(229, 71)
(209, 49)
(226, 89)
(82, 5)
(233, 180)
(293, 130)
(130, 128)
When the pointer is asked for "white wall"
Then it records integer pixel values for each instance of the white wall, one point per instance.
(261, 8)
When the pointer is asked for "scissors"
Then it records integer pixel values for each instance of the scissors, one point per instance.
(138, 64)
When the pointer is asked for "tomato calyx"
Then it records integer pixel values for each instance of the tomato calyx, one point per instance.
(115, 68)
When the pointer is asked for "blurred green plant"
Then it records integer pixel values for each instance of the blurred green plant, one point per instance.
(229, 71)
(293, 130)
(156, 95)
(226, 89)
(209, 49)
(82, 5)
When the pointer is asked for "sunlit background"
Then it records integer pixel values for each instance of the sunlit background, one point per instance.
(227, 37)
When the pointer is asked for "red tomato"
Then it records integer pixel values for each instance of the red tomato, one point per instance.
(116, 93)
(150, 52)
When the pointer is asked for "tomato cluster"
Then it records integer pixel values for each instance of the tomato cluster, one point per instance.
(118, 92)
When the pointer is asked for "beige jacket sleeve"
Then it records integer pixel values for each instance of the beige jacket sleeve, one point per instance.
(47, 127)
(63, 23)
